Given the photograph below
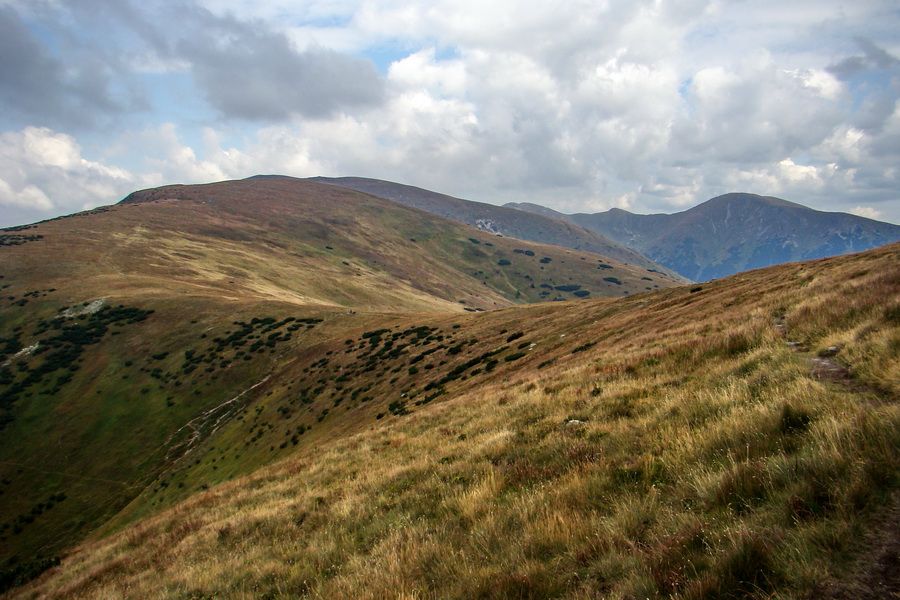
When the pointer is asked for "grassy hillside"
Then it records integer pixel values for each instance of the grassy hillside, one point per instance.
(735, 439)
(520, 224)
(131, 336)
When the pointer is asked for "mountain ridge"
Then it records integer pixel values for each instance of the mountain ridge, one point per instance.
(734, 232)
(496, 219)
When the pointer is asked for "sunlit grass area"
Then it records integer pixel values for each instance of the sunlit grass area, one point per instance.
(729, 440)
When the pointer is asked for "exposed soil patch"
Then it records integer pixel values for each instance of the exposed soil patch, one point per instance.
(825, 369)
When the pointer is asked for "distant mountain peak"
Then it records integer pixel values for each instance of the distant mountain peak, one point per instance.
(736, 232)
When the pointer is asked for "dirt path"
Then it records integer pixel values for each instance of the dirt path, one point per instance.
(205, 424)
(876, 573)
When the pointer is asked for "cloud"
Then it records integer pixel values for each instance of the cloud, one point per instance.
(867, 212)
(43, 173)
(249, 71)
(244, 68)
(37, 86)
(753, 112)
(873, 57)
(578, 105)
(28, 197)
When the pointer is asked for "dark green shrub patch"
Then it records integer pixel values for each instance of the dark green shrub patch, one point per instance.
(398, 408)
(437, 394)
(583, 347)
(18, 240)
(376, 334)
(60, 346)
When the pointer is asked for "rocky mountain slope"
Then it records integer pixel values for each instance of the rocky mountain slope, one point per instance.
(732, 233)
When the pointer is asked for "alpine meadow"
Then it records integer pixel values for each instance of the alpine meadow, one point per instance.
(278, 388)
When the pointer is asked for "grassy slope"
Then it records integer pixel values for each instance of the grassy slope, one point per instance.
(514, 223)
(201, 258)
(671, 443)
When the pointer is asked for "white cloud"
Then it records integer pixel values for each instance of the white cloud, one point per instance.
(28, 197)
(866, 211)
(580, 105)
(421, 70)
(42, 171)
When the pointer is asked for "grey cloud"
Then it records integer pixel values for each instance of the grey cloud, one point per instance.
(878, 56)
(245, 69)
(71, 90)
(249, 71)
(875, 110)
(874, 57)
(27, 73)
(848, 67)
(32, 82)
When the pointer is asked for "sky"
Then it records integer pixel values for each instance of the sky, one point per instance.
(580, 105)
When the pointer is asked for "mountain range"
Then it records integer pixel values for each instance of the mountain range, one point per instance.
(732, 233)
(280, 388)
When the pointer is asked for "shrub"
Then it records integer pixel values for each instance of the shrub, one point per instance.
(583, 347)
(614, 280)
(503, 262)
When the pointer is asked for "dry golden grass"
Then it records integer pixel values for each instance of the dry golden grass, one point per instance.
(689, 452)
(202, 257)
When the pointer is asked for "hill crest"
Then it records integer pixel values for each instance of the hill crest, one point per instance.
(498, 219)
